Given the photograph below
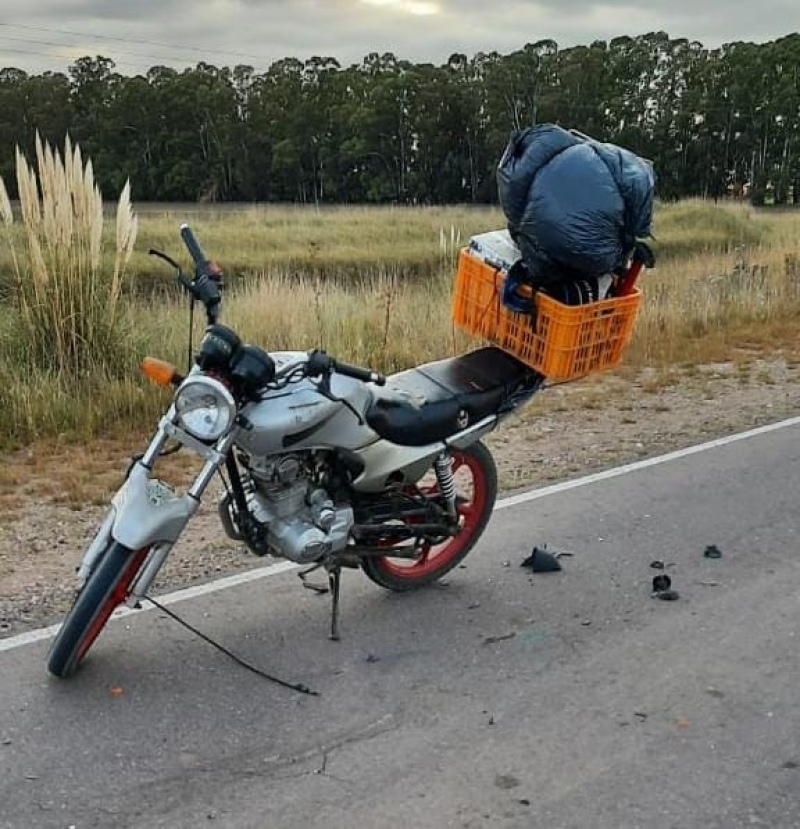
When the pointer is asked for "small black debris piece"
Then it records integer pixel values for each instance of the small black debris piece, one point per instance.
(662, 582)
(506, 781)
(667, 595)
(491, 640)
(542, 561)
(657, 564)
(712, 551)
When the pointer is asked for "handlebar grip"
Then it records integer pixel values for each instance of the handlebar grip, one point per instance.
(358, 373)
(195, 251)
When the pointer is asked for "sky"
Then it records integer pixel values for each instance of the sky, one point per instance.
(39, 35)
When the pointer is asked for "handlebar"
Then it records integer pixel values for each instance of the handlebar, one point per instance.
(358, 373)
(206, 287)
(208, 277)
(320, 364)
(192, 245)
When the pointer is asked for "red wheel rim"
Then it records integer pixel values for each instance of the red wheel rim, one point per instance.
(470, 509)
(115, 598)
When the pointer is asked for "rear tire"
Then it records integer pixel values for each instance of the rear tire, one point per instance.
(475, 509)
(104, 591)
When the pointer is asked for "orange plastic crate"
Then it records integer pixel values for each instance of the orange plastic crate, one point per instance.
(567, 342)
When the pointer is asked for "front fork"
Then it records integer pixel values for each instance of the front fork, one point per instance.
(147, 513)
(153, 563)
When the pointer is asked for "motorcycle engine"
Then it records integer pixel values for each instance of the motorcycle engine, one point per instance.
(290, 516)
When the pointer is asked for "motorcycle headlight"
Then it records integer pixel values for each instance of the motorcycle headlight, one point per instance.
(204, 408)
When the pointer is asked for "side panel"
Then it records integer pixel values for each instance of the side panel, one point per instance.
(473, 433)
(383, 459)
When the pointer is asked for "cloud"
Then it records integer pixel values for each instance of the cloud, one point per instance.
(258, 32)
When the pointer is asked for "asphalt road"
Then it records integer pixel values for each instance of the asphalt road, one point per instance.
(502, 698)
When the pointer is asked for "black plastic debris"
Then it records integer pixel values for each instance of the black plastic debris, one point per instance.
(662, 588)
(712, 551)
(657, 564)
(492, 640)
(667, 595)
(662, 582)
(542, 561)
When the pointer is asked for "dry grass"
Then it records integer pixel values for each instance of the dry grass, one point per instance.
(373, 286)
(705, 307)
(336, 242)
(69, 312)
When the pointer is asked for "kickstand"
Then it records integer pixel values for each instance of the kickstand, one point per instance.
(317, 588)
(334, 579)
(334, 582)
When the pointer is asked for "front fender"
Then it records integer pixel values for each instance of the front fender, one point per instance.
(146, 512)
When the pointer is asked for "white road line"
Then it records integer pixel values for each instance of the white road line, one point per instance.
(40, 634)
(614, 472)
(31, 636)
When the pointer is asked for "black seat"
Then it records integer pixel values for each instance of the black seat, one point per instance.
(433, 401)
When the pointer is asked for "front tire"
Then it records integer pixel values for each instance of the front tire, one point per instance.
(103, 592)
(475, 474)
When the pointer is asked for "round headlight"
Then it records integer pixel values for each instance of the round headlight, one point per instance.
(204, 408)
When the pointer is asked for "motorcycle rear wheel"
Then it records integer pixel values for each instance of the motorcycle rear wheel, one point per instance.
(475, 474)
(103, 592)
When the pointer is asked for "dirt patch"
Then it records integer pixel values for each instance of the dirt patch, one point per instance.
(53, 497)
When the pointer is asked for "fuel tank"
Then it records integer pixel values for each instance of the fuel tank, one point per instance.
(299, 417)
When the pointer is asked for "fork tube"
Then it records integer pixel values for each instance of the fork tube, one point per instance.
(210, 467)
(158, 555)
(98, 546)
(158, 441)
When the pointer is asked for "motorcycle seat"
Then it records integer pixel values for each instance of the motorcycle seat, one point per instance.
(433, 401)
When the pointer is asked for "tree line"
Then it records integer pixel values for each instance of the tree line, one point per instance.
(714, 122)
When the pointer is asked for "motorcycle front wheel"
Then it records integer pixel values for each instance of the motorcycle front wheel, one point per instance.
(103, 592)
(475, 477)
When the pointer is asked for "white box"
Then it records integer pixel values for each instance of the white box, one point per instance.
(496, 248)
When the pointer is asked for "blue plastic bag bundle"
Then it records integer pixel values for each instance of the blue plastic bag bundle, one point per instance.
(575, 206)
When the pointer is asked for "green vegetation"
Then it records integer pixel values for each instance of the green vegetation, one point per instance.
(373, 286)
(715, 122)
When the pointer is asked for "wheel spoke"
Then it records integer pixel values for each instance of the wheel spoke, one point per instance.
(471, 494)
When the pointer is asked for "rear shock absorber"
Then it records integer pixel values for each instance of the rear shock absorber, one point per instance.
(443, 466)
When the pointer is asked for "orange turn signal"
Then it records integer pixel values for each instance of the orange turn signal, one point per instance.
(159, 371)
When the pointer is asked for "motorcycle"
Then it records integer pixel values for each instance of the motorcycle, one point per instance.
(325, 464)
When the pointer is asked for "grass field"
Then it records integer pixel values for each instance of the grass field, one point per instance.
(373, 286)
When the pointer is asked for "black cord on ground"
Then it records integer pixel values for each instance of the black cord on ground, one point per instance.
(300, 688)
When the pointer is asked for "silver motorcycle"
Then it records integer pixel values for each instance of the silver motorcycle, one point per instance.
(325, 464)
